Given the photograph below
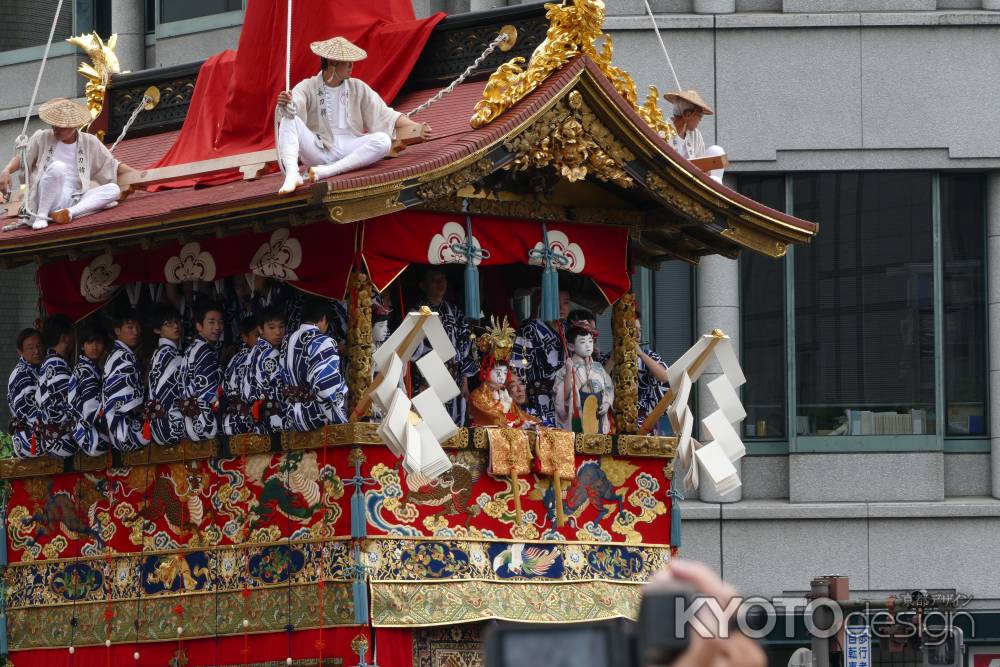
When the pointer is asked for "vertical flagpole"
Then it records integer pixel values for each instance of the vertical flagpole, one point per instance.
(288, 48)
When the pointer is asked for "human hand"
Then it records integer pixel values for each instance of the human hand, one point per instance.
(4, 181)
(723, 649)
(425, 131)
(284, 98)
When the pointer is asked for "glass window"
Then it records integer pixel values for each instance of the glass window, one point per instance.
(179, 10)
(762, 330)
(26, 23)
(864, 305)
(964, 254)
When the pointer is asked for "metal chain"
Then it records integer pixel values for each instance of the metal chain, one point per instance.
(500, 39)
(146, 99)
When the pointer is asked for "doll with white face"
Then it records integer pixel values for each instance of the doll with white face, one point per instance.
(490, 404)
(583, 391)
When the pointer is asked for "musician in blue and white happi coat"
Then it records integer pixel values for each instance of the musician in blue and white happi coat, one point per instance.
(56, 427)
(236, 415)
(162, 413)
(538, 355)
(434, 286)
(21, 388)
(201, 374)
(263, 386)
(85, 390)
(123, 396)
(314, 389)
(653, 378)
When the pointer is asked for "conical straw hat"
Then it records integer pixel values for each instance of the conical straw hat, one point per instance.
(691, 96)
(338, 49)
(59, 112)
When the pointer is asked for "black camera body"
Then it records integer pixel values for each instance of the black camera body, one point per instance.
(655, 639)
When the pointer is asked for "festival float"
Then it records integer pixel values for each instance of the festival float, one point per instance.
(345, 545)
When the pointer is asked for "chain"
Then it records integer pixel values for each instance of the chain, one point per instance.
(146, 99)
(500, 39)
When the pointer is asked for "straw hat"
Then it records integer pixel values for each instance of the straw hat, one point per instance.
(59, 112)
(691, 96)
(338, 49)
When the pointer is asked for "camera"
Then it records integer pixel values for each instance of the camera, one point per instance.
(655, 639)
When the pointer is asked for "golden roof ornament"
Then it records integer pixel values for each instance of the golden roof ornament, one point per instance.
(574, 27)
(103, 64)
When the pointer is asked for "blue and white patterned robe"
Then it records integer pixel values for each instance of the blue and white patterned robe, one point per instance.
(309, 362)
(263, 382)
(21, 387)
(650, 389)
(123, 398)
(54, 408)
(201, 380)
(236, 418)
(165, 389)
(463, 364)
(85, 401)
(536, 357)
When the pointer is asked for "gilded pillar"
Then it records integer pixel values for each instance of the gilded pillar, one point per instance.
(626, 370)
(359, 336)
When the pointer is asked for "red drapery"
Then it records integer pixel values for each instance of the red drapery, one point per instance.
(316, 258)
(232, 109)
(393, 242)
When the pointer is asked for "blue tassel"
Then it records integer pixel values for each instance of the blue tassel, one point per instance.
(359, 526)
(675, 518)
(549, 311)
(473, 307)
(3, 541)
(359, 589)
(3, 633)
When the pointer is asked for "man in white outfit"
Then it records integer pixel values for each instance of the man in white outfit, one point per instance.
(71, 173)
(332, 122)
(689, 109)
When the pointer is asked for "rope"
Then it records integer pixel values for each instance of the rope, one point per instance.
(146, 99)
(656, 29)
(500, 39)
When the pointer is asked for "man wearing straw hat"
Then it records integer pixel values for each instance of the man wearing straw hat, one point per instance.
(334, 123)
(71, 173)
(689, 109)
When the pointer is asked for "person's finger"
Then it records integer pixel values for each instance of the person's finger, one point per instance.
(703, 578)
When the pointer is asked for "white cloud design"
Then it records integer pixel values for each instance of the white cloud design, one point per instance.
(279, 257)
(97, 280)
(190, 264)
(560, 244)
(440, 250)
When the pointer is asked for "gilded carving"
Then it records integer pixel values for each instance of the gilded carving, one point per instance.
(650, 112)
(359, 336)
(678, 200)
(573, 30)
(530, 208)
(647, 446)
(84, 463)
(246, 444)
(762, 243)
(570, 138)
(480, 439)
(455, 181)
(18, 468)
(593, 443)
(626, 360)
(103, 64)
(458, 441)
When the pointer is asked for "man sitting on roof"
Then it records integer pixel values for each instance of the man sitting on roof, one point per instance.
(334, 123)
(71, 173)
(689, 108)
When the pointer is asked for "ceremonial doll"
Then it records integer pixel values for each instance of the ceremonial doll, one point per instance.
(490, 404)
(583, 391)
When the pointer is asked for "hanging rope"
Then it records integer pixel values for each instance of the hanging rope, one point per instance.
(146, 99)
(500, 39)
(656, 29)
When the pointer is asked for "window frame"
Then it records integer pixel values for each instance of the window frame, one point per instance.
(58, 49)
(195, 25)
(869, 444)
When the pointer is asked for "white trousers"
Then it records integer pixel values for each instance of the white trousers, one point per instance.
(55, 192)
(297, 142)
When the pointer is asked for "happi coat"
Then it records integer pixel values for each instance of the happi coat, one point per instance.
(165, 419)
(85, 402)
(123, 398)
(201, 383)
(21, 388)
(314, 389)
(262, 388)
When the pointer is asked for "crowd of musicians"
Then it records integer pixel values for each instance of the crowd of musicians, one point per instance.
(191, 362)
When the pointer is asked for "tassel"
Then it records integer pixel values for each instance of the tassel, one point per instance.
(3, 634)
(147, 429)
(549, 310)
(360, 591)
(34, 443)
(3, 537)
(255, 410)
(675, 519)
(359, 524)
(472, 306)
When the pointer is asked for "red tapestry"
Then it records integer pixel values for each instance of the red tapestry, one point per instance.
(393, 242)
(232, 109)
(316, 258)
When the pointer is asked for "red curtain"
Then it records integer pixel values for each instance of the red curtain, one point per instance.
(393, 242)
(232, 109)
(316, 258)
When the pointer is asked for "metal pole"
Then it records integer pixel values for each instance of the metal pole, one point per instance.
(822, 618)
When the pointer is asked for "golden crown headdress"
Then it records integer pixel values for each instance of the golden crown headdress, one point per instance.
(497, 340)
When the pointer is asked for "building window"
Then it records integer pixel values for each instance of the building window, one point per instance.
(180, 10)
(864, 305)
(762, 331)
(26, 23)
(963, 252)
